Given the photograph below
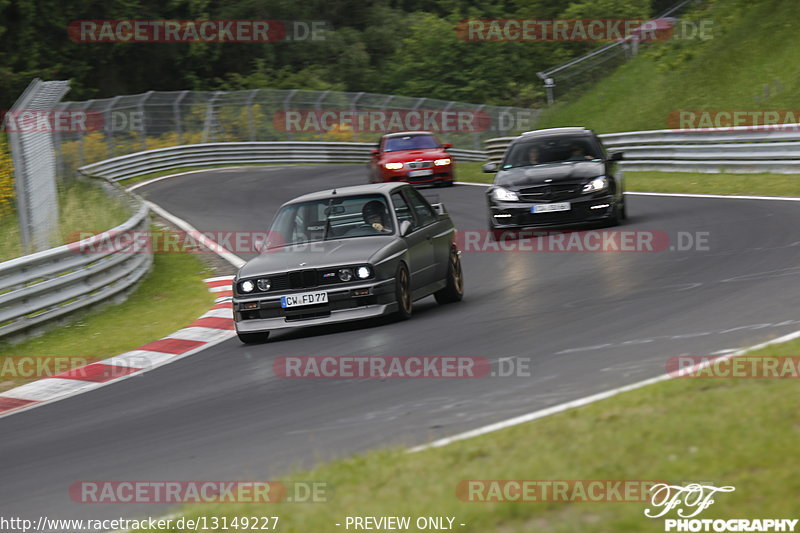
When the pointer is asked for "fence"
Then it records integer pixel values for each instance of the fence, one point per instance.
(591, 67)
(35, 167)
(773, 149)
(135, 123)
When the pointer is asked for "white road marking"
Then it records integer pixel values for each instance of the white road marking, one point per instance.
(154, 180)
(228, 256)
(196, 333)
(584, 401)
(45, 389)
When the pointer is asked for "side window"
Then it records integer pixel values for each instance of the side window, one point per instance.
(422, 209)
(401, 209)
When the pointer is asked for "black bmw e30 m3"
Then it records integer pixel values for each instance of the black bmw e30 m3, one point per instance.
(348, 254)
(555, 177)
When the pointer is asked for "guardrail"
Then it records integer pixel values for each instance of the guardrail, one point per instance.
(48, 285)
(195, 155)
(774, 149)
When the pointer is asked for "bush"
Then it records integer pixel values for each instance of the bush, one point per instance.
(6, 178)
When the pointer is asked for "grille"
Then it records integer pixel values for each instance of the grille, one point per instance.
(558, 191)
(303, 279)
(419, 164)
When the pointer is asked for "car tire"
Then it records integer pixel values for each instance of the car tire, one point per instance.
(454, 290)
(449, 183)
(403, 292)
(253, 338)
(614, 219)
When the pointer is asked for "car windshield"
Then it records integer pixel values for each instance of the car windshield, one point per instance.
(341, 217)
(551, 150)
(410, 142)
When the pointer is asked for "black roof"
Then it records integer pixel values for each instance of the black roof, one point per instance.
(406, 133)
(554, 131)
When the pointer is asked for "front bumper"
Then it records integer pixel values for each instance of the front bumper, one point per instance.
(583, 210)
(440, 173)
(342, 306)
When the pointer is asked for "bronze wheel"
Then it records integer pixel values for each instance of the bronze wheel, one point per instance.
(403, 292)
(454, 290)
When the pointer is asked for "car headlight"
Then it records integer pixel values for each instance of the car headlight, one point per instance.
(442, 162)
(504, 195)
(363, 272)
(247, 286)
(264, 284)
(393, 166)
(597, 184)
(345, 274)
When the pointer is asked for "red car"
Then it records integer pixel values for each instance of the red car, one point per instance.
(412, 156)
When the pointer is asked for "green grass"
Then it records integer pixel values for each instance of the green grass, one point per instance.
(697, 183)
(83, 207)
(728, 432)
(745, 66)
(157, 307)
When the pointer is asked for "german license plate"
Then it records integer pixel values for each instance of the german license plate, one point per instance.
(418, 173)
(550, 208)
(305, 298)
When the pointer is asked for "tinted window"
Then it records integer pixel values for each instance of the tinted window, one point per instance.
(552, 150)
(402, 209)
(410, 142)
(422, 209)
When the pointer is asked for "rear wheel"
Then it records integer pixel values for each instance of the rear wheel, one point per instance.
(454, 290)
(253, 338)
(403, 292)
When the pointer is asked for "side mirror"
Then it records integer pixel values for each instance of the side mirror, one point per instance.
(439, 208)
(447, 145)
(405, 228)
(615, 156)
(374, 152)
(490, 167)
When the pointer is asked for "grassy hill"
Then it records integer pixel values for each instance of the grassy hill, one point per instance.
(751, 61)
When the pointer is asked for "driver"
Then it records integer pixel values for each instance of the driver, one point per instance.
(577, 154)
(374, 213)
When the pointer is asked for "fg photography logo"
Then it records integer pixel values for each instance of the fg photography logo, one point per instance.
(687, 502)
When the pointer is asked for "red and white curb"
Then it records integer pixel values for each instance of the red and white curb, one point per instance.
(212, 327)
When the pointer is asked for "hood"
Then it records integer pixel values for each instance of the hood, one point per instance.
(514, 178)
(320, 254)
(412, 155)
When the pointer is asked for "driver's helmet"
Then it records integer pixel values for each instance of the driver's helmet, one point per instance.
(374, 209)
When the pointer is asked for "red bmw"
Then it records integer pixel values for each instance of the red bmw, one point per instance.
(412, 156)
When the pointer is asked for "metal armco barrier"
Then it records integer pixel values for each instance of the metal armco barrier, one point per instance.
(42, 287)
(770, 149)
(279, 152)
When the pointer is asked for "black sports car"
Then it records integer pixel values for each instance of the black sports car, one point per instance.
(348, 254)
(555, 177)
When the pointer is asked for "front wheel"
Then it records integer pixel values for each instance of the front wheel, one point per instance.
(454, 290)
(403, 292)
(253, 338)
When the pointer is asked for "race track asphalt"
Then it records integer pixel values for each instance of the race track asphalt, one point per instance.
(585, 323)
